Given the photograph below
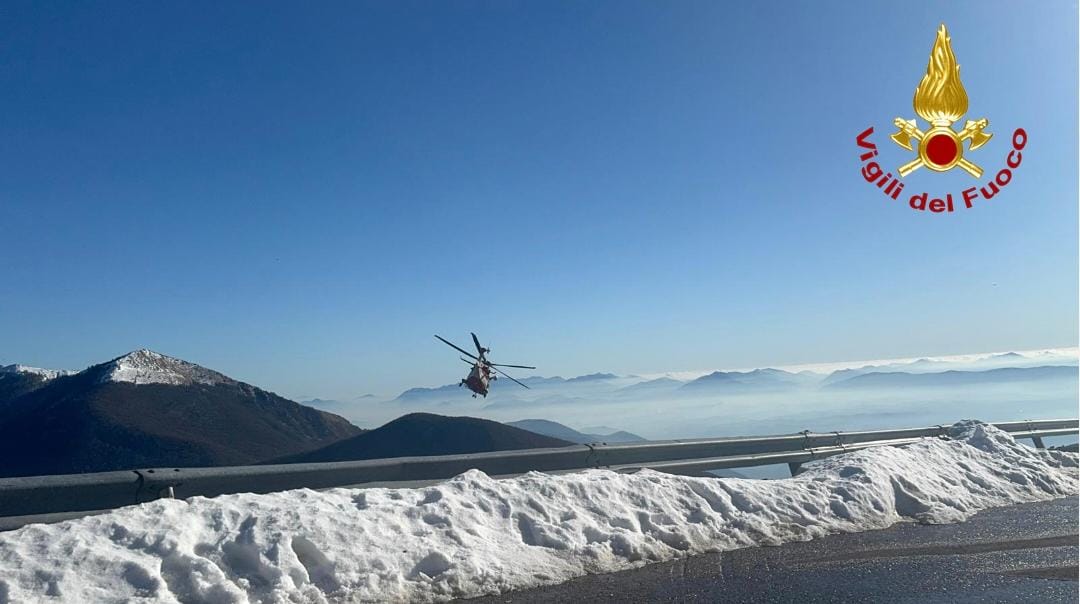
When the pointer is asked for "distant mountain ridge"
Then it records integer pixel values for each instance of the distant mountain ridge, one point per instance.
(17, 380)
(145, 409)
(427, 434)
(592, 377)
(955, 377)
(46, 374)
(557, 430)
(602, 388)
(653, 385)
(757, 379)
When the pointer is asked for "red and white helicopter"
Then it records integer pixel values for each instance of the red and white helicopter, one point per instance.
(481, 376)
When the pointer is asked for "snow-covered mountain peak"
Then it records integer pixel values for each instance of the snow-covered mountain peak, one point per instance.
(148, 367)
(48, 374)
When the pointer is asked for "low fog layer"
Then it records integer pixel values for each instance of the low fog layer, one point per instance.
(992, 387)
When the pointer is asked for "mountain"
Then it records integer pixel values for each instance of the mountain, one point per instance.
(916, 366)
(145, 409)
(17, 380)
(339, 407)
(954, 378)
(418, 434)
(620, 436)
(650, 387)
(1013, 359)
(557, 430)
(46, 374)
(534, 381)
(758, 379)
(845, 374)
(427, 394)
(712, 379)
(919, 366)
(598, 430)
(323, 403)
(593, 377)
(971, 365)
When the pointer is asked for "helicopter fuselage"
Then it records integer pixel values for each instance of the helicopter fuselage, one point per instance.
(478, 380)
(483, 371)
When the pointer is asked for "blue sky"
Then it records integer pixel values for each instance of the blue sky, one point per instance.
(300, 196)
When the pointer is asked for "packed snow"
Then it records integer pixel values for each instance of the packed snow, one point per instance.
(474, 535)
(48, 374)
(149, 367)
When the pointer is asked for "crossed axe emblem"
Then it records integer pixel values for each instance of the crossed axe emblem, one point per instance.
(941, 148)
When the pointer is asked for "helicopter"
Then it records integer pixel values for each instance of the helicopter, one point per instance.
(481, 376)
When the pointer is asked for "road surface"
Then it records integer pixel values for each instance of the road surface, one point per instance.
(1025, 553)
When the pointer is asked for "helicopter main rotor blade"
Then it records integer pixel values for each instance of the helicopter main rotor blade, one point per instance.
(456, 347)
(503, 373)
(467, 361)
(480, 349)
(516, 366)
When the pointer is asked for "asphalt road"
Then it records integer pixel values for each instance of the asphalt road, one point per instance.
(1025, 553)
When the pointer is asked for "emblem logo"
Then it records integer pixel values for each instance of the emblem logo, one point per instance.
(940, 99)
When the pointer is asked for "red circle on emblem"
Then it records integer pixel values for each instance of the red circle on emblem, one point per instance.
(941, 149)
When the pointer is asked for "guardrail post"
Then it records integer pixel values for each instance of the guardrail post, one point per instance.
(150, 486)
(1035, 438)
(795, 466)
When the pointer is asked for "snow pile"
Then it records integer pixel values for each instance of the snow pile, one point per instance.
(48, 374)
(149, 367)
(474, 535)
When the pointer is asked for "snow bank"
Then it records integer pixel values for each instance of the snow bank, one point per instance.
(474, 535)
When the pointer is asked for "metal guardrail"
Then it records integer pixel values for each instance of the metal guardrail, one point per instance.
(24, 500)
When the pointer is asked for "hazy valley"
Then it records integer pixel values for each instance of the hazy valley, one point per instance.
(145, 409)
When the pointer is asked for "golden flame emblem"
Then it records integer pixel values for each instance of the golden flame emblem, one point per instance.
(940, 99)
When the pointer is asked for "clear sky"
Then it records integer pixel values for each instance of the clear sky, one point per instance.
(301, 194)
